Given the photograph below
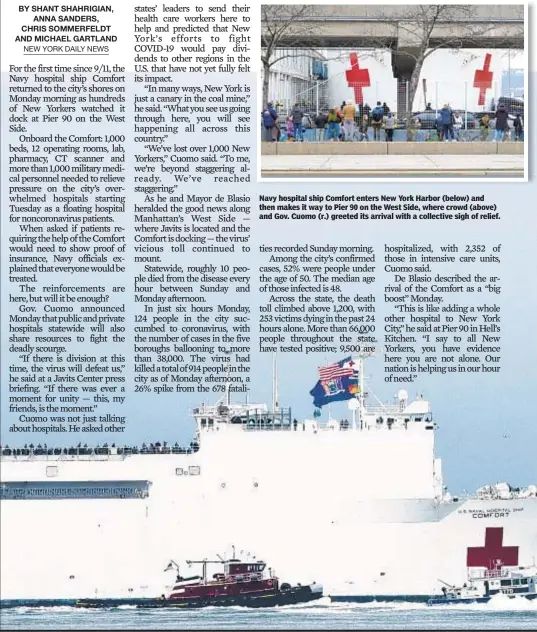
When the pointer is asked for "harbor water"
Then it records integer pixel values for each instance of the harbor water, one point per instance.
(499, 614)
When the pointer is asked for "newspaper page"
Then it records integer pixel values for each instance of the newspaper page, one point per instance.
(268, 316)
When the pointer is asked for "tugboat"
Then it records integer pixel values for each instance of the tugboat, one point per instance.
(515, 583)
(242, 583)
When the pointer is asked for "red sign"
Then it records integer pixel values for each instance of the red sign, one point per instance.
(493, 554)
(357, 78)
(483, 79)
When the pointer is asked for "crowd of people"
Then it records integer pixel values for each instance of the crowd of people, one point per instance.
(350, 122)
(105, 449)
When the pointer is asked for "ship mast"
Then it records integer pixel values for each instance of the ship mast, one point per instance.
(360, 396)
(360, 393)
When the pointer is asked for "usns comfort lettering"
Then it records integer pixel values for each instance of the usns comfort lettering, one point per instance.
(353, 504)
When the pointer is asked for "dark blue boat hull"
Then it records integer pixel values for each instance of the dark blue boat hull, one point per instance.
(291, 596)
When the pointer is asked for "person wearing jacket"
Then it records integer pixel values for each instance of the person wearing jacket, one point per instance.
(349, 114)
(484, 126)
(502, 123)
(446, 120)
(389, 126)
(364, 124)
(297, 115)
(290, 128)
(519, 128)
(376, 120)
(457, 124)
(333, 120)
(320, 123)
(270, 122)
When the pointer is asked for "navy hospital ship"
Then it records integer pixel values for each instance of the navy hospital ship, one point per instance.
(359, 506)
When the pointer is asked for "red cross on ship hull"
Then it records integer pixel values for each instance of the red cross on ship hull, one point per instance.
(483, 79)
(493, 555)
(357, 78)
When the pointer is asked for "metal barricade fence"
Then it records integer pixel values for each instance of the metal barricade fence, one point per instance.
(442, 110)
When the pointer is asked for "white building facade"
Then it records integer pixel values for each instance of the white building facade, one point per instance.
(294, 76)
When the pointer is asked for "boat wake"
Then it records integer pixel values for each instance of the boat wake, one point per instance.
(499, 603)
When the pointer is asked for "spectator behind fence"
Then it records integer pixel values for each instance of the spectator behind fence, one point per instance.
(297, 115)
(333, 120)
(484, 126)
(364, 124)
(389, 125)
(446, 120)
(349, 112)
(320, 123)
(306, 125)
(270, 119)
(457, 125)
(290, 128)
(519, 128)
(376, 120)
(502, 123)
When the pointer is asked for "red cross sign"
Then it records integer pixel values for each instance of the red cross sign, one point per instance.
(493, 554)
(357, 78)
(483, 79)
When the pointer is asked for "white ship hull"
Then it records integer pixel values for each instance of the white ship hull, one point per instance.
(350, 523)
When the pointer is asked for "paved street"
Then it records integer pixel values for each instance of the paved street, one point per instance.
(403, 166)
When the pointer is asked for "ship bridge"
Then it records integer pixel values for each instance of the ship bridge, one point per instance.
(259, 417)
(249, 416)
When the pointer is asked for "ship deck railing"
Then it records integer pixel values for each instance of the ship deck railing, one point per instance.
(385, 409)
(334, 425)
(104, 453)
(477, 574)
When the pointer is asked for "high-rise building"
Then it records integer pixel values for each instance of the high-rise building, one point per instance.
(513, 83)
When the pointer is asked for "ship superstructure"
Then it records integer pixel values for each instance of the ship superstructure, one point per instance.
(365, 493)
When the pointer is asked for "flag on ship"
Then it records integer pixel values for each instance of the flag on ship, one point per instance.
(345, 367)
(338, 382)
(169, 567)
